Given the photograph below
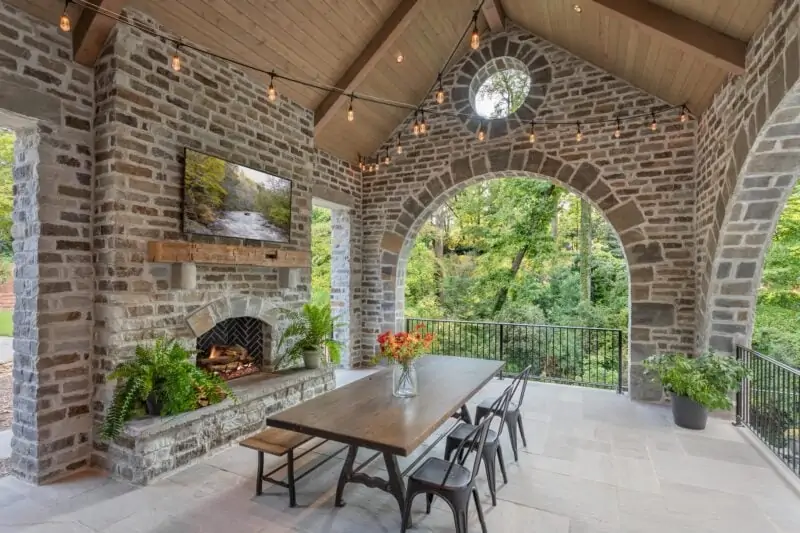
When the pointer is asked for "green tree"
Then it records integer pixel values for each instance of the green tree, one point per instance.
(6, 189)
(321, 254)
(204, 191)
(503, 93)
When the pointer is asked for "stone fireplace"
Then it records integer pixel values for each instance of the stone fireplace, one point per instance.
(235, 347)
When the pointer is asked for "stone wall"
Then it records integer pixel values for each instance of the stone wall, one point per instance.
(641, 182)
(47, 100)
(146, 115)
(748, 144)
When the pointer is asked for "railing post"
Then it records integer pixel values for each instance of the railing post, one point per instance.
(738, 421)
(619, 361)
(502, 342)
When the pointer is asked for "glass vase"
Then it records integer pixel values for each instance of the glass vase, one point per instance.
(404, 380)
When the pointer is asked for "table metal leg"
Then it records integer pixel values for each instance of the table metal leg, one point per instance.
(346, 475)
(396, 486)
(260, 474)
(290, 474)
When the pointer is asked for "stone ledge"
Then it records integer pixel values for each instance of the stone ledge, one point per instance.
(151, 447)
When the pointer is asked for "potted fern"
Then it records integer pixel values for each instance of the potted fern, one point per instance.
(161, 379)
(696, 384)
(309, 335)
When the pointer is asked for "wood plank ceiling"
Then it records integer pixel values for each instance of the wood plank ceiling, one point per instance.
(319, 40)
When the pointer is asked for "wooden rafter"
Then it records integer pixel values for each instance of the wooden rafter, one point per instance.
(494, 14)
(91, 31)
(685, 33)
(366, 61)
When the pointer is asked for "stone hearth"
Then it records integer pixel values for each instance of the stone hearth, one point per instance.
(151, 447)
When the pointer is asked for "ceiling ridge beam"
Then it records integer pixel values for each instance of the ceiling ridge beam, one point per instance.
(369, 57)
(92, 30)
(495, 15)
(689, 35)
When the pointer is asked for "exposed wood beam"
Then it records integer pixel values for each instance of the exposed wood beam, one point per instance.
(380, 43)
(685, 33)
(91, 31)
(495, 15)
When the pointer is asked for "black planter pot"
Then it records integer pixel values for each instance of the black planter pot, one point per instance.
(153, 405)
(687, 413)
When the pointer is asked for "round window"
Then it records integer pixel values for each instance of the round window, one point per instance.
(502, 93)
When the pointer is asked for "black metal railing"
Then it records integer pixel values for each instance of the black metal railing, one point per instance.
(591, 357)
(769, 404)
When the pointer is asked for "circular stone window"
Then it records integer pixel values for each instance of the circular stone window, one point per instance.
(500, 87)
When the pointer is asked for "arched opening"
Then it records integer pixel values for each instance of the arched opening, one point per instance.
(522, 270)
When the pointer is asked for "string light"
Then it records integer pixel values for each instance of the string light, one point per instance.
(481, 132)
(440, 92)
(532, 136)
(176, 59)
(578, 134)
(618, 131)
(415, 128)
(423, 125)
(400, 57)
(684, 114)
(475, 39)
(654, 124)
(351, 115)
(399, 145)
(387, 159)
(64, 23)
(272, 94)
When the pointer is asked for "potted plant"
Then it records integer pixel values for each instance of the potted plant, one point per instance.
(309, 335)
(161, 379)
(793, 440)
(402, 349)
(696, 384)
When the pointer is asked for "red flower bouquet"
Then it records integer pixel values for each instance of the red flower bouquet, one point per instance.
(403, 348)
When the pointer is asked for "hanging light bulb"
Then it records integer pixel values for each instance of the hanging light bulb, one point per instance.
(387, 159)
(423, 125)
(440, 92)
(654, 124)
(351, 115)
(64, 23)
(272, 94)
(400, 57)
(481, 132)
(415, 128)
(532, 135)
(399, 145)
(579, 133)
(618, 131)
(475, 39)
(176, 59)
(684, 114)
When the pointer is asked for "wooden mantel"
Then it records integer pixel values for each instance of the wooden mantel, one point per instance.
(225, 254)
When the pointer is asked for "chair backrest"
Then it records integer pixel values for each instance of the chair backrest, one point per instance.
(476, 439)
(521, 383)
(500, 408)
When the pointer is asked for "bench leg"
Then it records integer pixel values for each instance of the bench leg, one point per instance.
(260, 474)
(290, 469)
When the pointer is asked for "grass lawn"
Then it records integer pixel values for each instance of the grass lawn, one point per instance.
(6, 323)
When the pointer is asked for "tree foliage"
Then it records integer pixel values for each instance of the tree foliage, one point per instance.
(502, 93)
(6, 189)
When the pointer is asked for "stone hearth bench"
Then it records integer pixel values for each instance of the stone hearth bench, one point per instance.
(151, 447)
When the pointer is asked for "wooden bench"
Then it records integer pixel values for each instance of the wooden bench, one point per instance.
(280, 442)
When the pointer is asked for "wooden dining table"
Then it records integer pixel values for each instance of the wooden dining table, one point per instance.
(365, 414)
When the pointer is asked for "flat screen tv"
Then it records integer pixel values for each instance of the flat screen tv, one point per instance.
(224, 199)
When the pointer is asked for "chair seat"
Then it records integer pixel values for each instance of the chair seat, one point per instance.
(486, 405)
(432, 472)
(462, 431)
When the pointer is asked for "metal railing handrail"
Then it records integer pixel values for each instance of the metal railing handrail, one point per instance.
(527, 324)
(771, 360)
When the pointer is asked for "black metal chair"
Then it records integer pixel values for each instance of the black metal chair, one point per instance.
(513, 416)
(492, 452)
(451, 480)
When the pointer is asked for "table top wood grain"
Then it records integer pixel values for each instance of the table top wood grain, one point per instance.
(366, 413)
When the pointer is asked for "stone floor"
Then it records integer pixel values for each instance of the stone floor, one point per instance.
(595, 463)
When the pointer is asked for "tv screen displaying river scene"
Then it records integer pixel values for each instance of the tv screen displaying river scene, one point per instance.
(229, 200)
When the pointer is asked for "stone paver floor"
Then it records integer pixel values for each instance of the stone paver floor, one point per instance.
(595, 463)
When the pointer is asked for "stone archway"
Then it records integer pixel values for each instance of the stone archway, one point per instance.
(650, 318)
(759, 176)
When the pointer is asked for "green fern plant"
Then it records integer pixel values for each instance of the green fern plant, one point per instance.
(310, 328)
(164, 374)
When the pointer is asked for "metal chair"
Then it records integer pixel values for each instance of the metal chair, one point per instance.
(513, 416)
(492, 452)
(451, 480)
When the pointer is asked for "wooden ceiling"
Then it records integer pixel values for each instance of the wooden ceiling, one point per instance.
(679, 50)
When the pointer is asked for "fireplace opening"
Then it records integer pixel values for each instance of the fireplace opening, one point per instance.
(235, 347)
